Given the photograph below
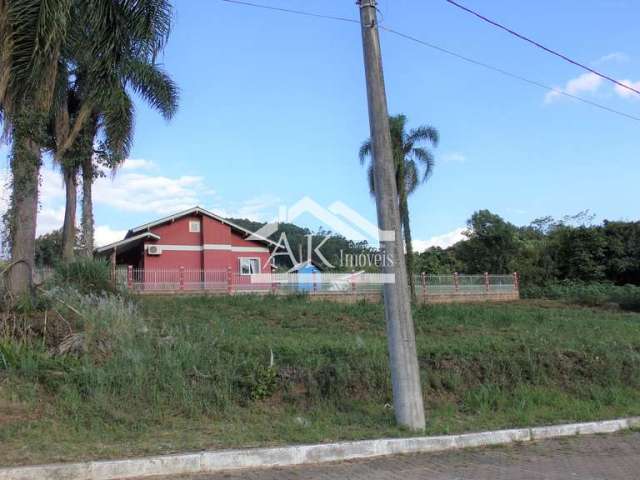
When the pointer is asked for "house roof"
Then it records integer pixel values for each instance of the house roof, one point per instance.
(201, 211)
(127, 243)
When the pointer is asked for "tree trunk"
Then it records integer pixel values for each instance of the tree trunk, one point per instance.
(403, 205)
(69, 226)
(87, 206)
(25, 170)
(406, 229)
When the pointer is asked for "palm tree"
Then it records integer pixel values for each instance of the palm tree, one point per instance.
(414, 165)
(107, 139)
(41, 42)
(31, 39)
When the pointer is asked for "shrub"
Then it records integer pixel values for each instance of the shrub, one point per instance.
(85, 275)
(589, 294)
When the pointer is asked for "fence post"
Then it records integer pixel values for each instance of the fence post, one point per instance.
(274, 284)
(181, 278)
(516, 281)
(353, 284)
(456, 282)
(423, 278)
(486, 282)
(229, 281)
(315, 286)
(129, 277)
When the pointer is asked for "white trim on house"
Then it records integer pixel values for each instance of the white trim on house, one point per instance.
(202, 211)
(126, 241)
(249, 249)
(217, 246)
(208, 246)
(175, 248)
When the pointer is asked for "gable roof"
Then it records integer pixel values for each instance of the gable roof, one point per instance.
(201, 211)
(127, 243)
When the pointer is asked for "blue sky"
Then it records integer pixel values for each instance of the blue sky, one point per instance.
(273, 108)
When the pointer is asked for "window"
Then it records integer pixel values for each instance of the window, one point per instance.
(249, 266)
(194, 226)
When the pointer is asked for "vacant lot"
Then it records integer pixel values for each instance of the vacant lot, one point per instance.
(171, 374)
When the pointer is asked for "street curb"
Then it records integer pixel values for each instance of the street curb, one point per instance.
(216, 461)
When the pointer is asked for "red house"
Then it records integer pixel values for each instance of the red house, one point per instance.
(196, 245)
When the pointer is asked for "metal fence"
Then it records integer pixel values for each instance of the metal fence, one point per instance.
(358, 283)
(456, 284)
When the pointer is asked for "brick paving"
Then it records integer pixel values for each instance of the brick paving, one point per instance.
(609, 457)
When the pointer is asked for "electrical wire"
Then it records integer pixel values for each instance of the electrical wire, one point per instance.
(447, 52)
(509, 74)
(546, 49)
(288, 10)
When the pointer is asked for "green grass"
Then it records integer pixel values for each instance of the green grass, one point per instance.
(182, 373)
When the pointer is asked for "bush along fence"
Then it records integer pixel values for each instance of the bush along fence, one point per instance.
(340, 286)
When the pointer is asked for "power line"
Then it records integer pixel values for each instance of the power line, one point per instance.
(445, 51)
(546, 49)
(296, 12)
(509, 74)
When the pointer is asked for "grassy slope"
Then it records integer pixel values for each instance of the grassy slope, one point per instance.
(199, 377)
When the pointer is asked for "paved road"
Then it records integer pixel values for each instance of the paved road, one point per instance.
(609, 457)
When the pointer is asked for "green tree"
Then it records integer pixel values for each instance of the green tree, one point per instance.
(414, 164)
(492, 244)
(436, 260)
(32, 36)
(49, 249)
(622, 251)
(42, 43)
(110, 127)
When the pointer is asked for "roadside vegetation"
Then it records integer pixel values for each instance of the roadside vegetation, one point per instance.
(96, 374)
(599, 294)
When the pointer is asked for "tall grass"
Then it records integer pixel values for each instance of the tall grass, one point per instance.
(287, 369)
(85, 275)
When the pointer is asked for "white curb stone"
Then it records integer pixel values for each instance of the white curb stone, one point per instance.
(216, 461)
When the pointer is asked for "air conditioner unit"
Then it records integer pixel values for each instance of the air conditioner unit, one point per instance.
(154, 250)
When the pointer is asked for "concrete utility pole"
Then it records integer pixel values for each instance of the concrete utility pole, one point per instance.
(405, 374)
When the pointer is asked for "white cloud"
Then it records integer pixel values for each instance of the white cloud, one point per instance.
(619, 57)
(455, 157)
(137, 192)
(625, 92)
(443, 241)
(259, 209)
(587, 82)
(51, 186)
(137, 164)
(49, 219)
(105, 235)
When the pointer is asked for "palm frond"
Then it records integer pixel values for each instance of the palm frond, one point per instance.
(425, 157)
(154, 85)
(38, 30)
(118, 124)
(410, 176)
(365, 152)
(424, 134)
